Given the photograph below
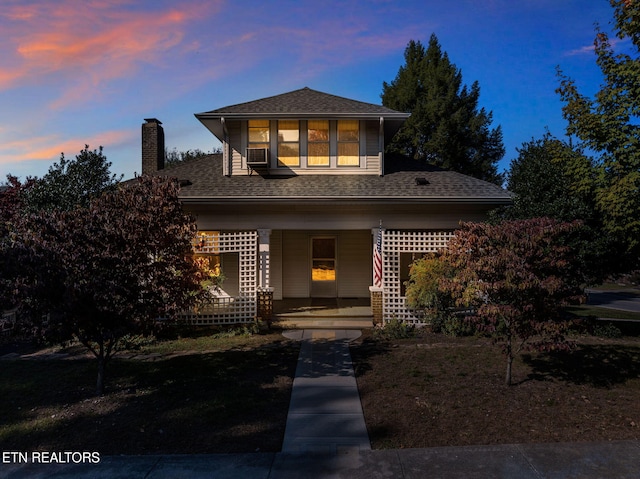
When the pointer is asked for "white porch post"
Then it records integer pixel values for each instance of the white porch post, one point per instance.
(264, 295)
(263, 255)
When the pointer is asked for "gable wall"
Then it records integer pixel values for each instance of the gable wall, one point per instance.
(369, 150)
(235, 143)
(373, 144)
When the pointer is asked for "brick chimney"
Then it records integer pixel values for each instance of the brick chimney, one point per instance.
(152, 146)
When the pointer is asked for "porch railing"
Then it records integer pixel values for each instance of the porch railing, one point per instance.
(224, 310)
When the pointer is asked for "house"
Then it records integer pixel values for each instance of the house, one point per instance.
(301, 196)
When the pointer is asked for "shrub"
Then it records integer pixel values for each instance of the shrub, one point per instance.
(395, 329)
(601, 329)
(423, 288)
(452, 325)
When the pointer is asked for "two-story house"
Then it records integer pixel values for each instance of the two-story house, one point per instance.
(302, 196)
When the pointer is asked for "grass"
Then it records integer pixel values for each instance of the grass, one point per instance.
(191, 395)
(435, 390)
(585, 311)
(207, 393)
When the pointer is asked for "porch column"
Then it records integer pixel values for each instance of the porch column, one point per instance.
(263, 257)
(265, 292)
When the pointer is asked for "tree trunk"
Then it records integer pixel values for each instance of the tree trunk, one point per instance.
(101, 367)
(509, 351)
(509, 363)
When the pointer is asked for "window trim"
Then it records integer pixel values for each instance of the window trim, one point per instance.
(284, 142)
(348, 142)
(326, 142)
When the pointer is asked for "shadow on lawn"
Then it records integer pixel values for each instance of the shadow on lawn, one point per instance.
(363, 351)
(228, 401)
(599, 366)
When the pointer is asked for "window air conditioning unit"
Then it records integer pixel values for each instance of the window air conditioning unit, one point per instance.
(258, 157)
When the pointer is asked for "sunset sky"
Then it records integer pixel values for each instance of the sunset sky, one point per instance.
(78, 72)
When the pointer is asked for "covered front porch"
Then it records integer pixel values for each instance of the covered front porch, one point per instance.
(321, 276)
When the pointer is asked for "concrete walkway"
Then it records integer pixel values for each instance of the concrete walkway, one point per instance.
(326, 437)
(325, 413)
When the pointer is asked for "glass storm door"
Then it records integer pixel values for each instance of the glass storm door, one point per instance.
(323, 267)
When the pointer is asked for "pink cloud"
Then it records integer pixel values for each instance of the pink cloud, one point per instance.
(616, 44)
(50, 147)
(91, 45)
(588, 49)
(19, 12)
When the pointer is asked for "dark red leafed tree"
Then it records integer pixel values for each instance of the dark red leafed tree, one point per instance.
(516, 275)
(110, 269)
(12, 195)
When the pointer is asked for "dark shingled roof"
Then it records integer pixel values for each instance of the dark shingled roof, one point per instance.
(204, 181)
(304, 102)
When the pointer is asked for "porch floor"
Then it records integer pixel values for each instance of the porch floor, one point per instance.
(318, 313)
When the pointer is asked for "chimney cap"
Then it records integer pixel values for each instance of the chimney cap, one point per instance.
(153, 120)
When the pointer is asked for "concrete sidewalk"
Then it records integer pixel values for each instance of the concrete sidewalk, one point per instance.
(610, 460)
(326, 437)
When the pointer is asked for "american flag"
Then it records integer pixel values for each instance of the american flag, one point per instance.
(377, 260)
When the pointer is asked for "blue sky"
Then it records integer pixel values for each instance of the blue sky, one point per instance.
(75, 73)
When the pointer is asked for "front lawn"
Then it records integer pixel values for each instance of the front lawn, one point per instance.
(436, 390)
(192, 395)
(219, 395)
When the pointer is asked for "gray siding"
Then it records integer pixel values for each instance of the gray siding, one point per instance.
(354, 264)
(236, 142)
(275, 263)
(295, 264)
(231, 270)
(372, 139)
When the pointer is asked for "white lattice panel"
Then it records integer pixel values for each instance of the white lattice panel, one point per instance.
(395, 242)
(224, 311)
(242, 308)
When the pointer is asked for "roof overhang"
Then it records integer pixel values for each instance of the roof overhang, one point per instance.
(343, 200)
(215, 122)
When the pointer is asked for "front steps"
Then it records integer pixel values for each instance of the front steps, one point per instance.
(340, 313)
(323, 323)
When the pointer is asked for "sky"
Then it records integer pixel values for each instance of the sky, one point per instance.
(88, 72)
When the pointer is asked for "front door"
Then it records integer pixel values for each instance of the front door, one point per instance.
(323, 267)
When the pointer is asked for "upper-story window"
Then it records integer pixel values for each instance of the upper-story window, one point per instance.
(318, 143)
(348, 143)
(258, 133)
(288, 143)
(313, 143)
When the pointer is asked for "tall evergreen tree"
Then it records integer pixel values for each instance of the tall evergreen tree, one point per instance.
(446, 127)
(609, 125)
